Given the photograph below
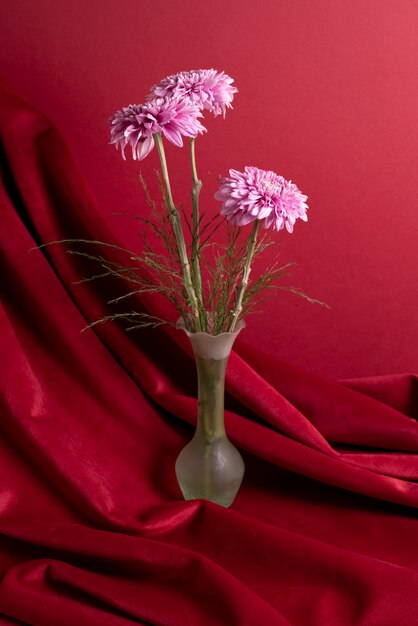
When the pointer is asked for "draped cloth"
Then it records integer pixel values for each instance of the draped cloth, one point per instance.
(93, 529)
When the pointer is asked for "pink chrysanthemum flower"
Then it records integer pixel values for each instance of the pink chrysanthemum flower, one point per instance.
(208, 89)
(136, 124)
(261, 195)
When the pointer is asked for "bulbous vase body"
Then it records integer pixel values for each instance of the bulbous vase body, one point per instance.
(210, 467)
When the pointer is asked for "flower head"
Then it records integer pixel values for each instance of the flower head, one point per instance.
(208, 89)
(261, 195)
(137, 123)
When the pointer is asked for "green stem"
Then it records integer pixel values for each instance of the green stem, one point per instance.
(245, 275)
(175, 222)
(211, 391)
(197, 186)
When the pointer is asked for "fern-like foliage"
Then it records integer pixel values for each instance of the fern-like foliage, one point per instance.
(157, 269)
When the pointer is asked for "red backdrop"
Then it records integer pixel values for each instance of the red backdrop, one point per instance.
(327, 97)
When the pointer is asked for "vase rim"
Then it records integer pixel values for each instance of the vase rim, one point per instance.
(180, 325)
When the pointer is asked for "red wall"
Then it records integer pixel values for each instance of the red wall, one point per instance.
(328, 94)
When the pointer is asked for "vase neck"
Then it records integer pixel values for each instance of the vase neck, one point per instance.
(211, 355)
(211, 389)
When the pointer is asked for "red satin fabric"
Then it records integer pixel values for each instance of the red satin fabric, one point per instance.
(93, 527)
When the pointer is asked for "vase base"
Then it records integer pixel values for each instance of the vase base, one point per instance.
(210, 472)
(225, 499)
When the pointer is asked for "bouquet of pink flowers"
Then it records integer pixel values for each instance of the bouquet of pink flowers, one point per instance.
(208, 283)
(216, 302)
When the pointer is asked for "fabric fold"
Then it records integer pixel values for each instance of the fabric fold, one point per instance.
(93, 529)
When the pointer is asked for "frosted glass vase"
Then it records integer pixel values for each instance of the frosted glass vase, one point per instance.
(210, 467)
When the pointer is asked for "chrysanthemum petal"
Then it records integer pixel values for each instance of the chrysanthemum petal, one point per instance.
(206, 89)
(144, 148)
(173, 135)
(136, 124)
(263, 195)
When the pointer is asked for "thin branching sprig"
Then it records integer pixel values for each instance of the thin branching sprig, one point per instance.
(214, 301)
(144, 275)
